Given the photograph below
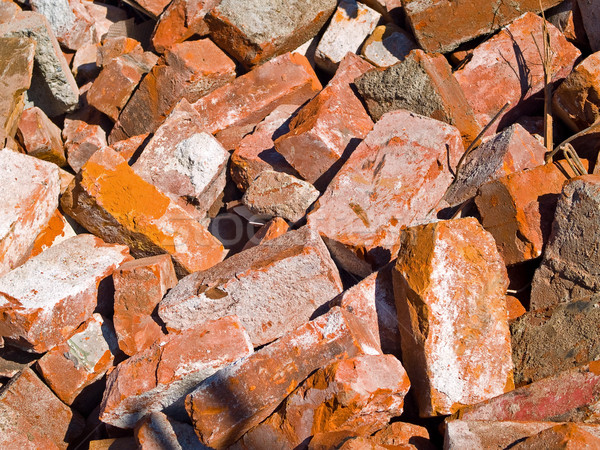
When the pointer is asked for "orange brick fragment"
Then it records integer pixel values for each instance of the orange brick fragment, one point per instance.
(233, 110)
(139, 286)
(108, 198)
(450, 284)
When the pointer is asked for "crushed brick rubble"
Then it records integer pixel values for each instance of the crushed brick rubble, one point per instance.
(327, 224)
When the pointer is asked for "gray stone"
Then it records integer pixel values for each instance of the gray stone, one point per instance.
(53, 88)
(254, 31)
(422, 83)
(273, 288)
(277, 194)
(550, 340)
(72, 30)
(570, 267)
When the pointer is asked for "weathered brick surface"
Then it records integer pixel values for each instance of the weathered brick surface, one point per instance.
(452, 315)
(185, 162)
(273, 288)
(572, 395)
(159, 431)
(255, 31)
(326, 130)
(82, 140)
(509, 151)
(160, 377)
(117, 80)
(16, 58)
(233, 110)
(387, 45)
(256, 152)
(577, 99)
(81, 360)
(518, 209)
(372, 300)
(188, 70)
(40, 307)
(442, 25)
(41, 137)
(108, 198)
(395, 177)
(272, 229)
(350, 25)
(139, 286)
(358, 394)
(28, 199)
(488, 80)
(32, 417)
(69, 19)
(569, 268)
(242, 395)
(181, 20)
(275, 194)
(567, 436)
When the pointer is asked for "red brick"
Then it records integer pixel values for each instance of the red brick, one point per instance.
(81, 360)
(272, 229)
(273, 288)
(372, 300)
(40, 137)
(16, 57)
(40, 307)
(490, 434)
(240, 396)
(233, 110)
(139, 286)
(395, 177)
(124, 443)
(127, 148)
(359, 394)
(32, 417)
(326, 130)
(186, 163)
(255, 31)
(565, 436)
(28, 199)
(113, 47)
(160, 377)
(152, 7)
(512, 150)
(82, 140)
(109, 199)
(187, 70)
(572, 395)
(256, 152)
(442, 25)
(566, 16)
(518, 209)
(576, 101)
(117, 80)
(450, 284)
(488, 79)
(404, 434)
(351, 24)
(181, 20)
(56, 230)
(276, 194)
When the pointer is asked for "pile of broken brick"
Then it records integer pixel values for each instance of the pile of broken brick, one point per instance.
(258, 224)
